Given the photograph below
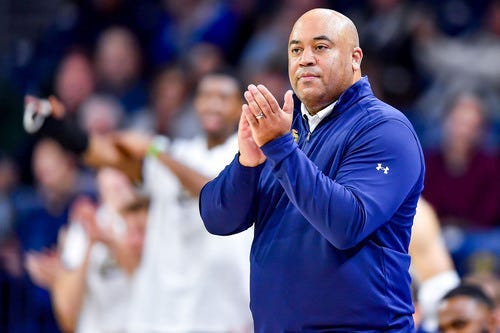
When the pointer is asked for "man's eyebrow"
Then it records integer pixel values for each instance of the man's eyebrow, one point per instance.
(318, 38)
(323, 37)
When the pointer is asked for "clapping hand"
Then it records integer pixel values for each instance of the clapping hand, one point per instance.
(262, 120)
(267, 120)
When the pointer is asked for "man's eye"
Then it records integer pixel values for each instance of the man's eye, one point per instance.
(295, 50)
(320, 47)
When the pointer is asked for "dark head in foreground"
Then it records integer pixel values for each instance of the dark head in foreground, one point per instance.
(466, 309)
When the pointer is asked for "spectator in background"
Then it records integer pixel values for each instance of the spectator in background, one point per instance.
(490, 284)
(74, 81)
(171, 112)
(463, 184)
(101, 114)
(100, 250)
(462, 179)
(58, 181)
(466, 309)
(202, 59)
(118, 65)
(40, 216)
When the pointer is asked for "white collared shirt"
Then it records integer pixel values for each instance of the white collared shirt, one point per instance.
(318, 117)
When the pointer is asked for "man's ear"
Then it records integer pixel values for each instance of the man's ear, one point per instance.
(357, 56)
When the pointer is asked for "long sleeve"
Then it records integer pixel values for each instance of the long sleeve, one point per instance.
(375, 176)
(226, 202)
(67, 133)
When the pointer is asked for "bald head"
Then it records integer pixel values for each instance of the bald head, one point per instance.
(324, 58)
(337, 22)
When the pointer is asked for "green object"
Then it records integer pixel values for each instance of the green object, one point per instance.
(153, 150)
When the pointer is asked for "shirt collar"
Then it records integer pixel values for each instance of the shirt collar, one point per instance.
(315, 119)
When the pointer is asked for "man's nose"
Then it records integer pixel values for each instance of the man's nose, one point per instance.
(307, 57)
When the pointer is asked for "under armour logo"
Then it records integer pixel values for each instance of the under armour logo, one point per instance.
(380, 167)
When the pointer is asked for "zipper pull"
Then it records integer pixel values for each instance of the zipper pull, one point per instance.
(308, 136)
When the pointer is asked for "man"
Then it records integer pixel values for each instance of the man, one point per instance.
(489, 282)
(332, 200)
(466, 308)
(99, 252)
(41, 213)
(189, 280)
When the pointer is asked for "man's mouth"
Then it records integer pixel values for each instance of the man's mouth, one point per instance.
(211, 119)
(308, 76)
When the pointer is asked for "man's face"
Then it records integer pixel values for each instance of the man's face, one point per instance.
(319, 61)
(462, 314)
(74, 80)
(51, 165)
(464, 123)
(218, 104)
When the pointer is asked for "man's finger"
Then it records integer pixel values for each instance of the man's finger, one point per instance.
(249, 116)
(288, 103)
(243, 120)
(270, 99)
(243, 125)
(261, 100)
(254, 108)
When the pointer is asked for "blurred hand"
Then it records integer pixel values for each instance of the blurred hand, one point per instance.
(83, 211)
(53, 108)
(132, 143)
(43, 267)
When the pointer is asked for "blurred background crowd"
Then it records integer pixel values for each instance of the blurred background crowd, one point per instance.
(125, 64)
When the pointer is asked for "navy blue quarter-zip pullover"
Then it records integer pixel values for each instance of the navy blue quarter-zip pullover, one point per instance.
(333, 210)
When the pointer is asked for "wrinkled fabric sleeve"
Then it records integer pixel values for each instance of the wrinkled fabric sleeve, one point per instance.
(348, 206)
(226, 202)
(67, 133)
